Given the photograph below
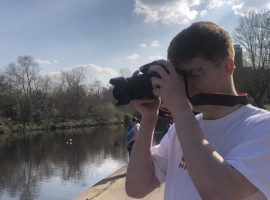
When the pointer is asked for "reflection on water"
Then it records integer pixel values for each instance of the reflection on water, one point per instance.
(58, 165)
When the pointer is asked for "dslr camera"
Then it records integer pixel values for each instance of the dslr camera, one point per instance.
(135, 87)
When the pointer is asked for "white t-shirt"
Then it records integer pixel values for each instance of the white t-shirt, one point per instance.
(242, 138)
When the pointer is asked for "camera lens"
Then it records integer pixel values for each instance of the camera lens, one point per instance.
(120, 91)
(136, 87)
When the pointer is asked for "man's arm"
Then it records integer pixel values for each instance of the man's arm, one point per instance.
(140, 179)
(213, 177)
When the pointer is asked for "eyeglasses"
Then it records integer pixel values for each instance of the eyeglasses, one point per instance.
(199, 71)
(196, 73)
(192, 74)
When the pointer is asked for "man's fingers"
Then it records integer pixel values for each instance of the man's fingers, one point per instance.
(169, 67)
(136, 73)
(159, 70)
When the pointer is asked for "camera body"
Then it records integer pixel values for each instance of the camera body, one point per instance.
(135, 87)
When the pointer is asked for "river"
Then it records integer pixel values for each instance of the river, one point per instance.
(58, 165)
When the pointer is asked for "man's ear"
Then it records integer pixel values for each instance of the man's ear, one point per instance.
(229, 64)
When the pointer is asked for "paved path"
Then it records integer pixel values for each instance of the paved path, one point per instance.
(113, 188)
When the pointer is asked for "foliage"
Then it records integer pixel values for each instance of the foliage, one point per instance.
(267, 107)
(253, 34)
(29, 99)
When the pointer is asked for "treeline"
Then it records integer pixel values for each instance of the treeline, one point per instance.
(253, 34)
(27, 97)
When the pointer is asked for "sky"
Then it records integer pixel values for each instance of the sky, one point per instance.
(106, 37)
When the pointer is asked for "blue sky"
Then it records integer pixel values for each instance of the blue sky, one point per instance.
(104, 36)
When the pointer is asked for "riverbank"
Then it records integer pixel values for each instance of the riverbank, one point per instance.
(12, 127)
(113, 188)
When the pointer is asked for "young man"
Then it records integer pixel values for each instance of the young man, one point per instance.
(222, 153)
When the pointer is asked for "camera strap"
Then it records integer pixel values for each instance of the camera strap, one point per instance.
(202, 98)
(219, 99)
(206, 99)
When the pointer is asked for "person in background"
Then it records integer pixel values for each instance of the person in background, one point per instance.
(133, 128)
(221, 153)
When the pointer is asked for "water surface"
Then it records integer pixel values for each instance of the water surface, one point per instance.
(58, 165)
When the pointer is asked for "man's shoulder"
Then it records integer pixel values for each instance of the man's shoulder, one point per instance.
(256, 109)
(256, 123)
(257, 115)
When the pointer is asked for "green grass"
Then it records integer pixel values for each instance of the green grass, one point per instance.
(267, 107)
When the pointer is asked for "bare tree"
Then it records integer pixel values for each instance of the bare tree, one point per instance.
(253, 34)
(71, 92)
(27, 74)
(41, 106)
(22, 78)
(26, 96)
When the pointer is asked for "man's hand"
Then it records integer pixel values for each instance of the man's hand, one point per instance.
(170, 87)
(147, 107)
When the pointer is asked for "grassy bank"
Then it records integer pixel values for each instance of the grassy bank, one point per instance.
(7, 126)
(267, 107)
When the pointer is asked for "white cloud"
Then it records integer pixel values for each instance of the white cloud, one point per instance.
(171, 11)
(238, 8)
(46, 62)
(42, 61)
(203, 13)
(55, 73)
(93, 73)
(55, 61)
(155, 57)
(242, 7)
(143, 45)
(133, 57)
(98, 73)
(99, 70)
(155, 43)
(211, 4)
(184, 11)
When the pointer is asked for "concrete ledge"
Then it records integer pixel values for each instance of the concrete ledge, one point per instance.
(113, 188)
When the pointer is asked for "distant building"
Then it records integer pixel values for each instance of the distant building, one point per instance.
(238, 58)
